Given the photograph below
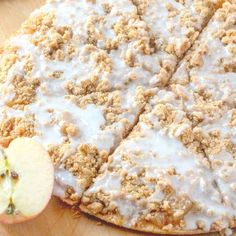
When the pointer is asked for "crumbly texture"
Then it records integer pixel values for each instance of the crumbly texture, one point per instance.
(79, 74)
(77, 98)
(207, 76)
(159, 177)
(178, 23)
(187, 133)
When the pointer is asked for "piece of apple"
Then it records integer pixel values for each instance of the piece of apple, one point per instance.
(26, 181)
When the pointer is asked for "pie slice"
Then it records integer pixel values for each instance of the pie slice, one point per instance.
(75, 98)
(79, 132)
(191, 126)
(79, 108)
(208, 73)
(76, 78)
(205, 81)
(155, 182)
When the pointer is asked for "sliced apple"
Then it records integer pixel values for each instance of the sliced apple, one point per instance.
(27, 181)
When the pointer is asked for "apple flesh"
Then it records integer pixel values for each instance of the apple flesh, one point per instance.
(26, 181)
(4, 190)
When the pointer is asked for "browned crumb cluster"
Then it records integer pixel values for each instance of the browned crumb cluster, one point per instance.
(200, 114)
(116, 62)
(11, 128)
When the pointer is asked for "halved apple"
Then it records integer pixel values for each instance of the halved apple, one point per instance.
(26, 180)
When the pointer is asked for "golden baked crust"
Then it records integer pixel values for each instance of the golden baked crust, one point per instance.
(77, 78)
(197, 112)
(148, 228)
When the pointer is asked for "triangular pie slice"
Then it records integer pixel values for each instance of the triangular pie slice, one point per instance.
(75, 98)
(79, 108)
(78, 131)
(205, 81)
(154, 182)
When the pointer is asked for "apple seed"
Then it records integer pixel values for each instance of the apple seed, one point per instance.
(14, 175)
(3, 175)
(11, 208)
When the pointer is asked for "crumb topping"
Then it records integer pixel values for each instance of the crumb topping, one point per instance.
(193, 117)
(81, 76)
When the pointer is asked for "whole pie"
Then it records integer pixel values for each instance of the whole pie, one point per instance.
(135, 101)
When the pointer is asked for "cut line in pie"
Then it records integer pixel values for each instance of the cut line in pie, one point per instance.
(102, 85)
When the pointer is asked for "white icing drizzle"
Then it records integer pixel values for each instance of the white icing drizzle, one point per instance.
(213, 76)
(159, 149)
(65, 179)
(159, 153)
(155, 151)
(53, 108)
